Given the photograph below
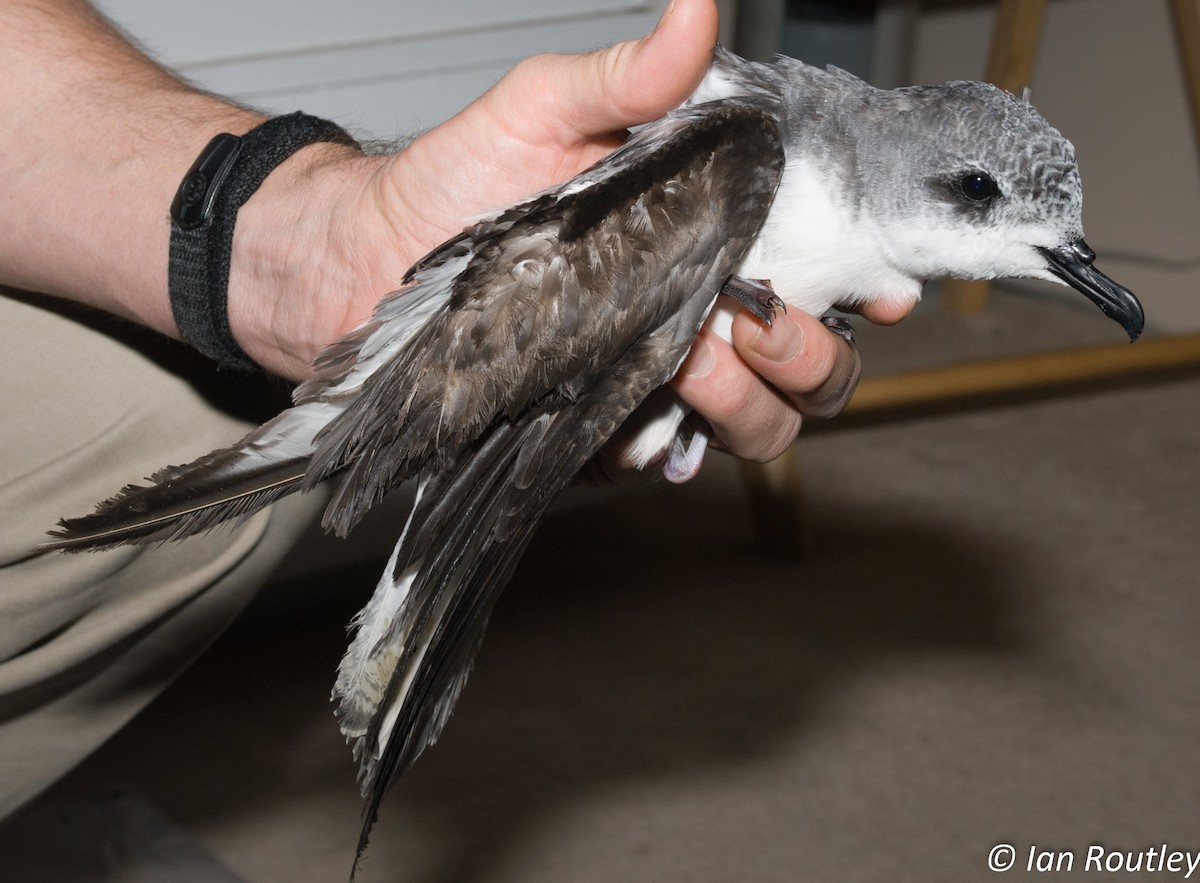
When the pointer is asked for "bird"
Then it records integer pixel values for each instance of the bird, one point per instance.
(516, 349)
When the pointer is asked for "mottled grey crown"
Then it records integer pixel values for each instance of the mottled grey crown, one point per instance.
(894, 148)
(937, 134)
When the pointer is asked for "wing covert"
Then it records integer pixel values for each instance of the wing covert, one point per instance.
(557, 289)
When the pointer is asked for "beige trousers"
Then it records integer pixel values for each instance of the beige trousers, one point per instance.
(86, 640)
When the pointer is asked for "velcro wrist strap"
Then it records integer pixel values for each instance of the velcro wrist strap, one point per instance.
(203, 214)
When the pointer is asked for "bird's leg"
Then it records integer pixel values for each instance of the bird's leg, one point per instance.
(685, 458)
(840, 327)
(756, 295)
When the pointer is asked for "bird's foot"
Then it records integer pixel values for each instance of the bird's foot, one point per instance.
(840, 327)
(685, 458)
(756, 295)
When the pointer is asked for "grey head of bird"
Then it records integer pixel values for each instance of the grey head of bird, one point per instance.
(887, 189)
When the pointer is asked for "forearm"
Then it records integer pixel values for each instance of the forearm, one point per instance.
(96, 138)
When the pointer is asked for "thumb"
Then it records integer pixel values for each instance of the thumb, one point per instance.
(633, 82)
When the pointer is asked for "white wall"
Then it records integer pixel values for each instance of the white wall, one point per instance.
(380, 67)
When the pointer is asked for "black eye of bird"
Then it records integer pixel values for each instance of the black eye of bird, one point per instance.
(978, 187)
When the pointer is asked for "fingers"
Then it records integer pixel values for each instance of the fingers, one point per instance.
(756, 393)
(816, 369)
(886, 312)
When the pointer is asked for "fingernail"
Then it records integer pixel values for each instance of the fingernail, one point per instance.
(779, 343)
(699, 359)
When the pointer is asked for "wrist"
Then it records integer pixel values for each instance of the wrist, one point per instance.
(286, 281)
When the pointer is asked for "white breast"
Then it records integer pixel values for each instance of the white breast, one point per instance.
(817, 249)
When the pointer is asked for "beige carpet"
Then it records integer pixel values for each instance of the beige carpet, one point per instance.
(993, 640)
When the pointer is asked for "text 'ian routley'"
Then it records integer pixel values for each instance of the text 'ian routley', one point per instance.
(1038, 860)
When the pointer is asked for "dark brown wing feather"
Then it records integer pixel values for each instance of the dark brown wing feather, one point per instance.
(224, 485)
(556, 291)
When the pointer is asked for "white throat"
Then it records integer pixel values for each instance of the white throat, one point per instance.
(818, 250)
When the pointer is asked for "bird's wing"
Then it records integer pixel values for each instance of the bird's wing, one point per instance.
(553, 292)
(456, 291)
(571, 310)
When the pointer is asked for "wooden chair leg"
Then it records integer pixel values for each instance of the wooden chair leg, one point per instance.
(1015, 39)
(776, 504)
(975, 381)
(1187, 32)
(1011, 61)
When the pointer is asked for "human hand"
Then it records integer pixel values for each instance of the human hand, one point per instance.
(549, 118)
(355, 224)
(756, 393)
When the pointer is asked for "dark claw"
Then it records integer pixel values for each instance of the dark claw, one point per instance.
(756, 295)
(840, 327)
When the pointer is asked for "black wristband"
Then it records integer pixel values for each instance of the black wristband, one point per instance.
(203, 213)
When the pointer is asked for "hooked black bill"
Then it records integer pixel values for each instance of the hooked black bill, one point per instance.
(1072, 263)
